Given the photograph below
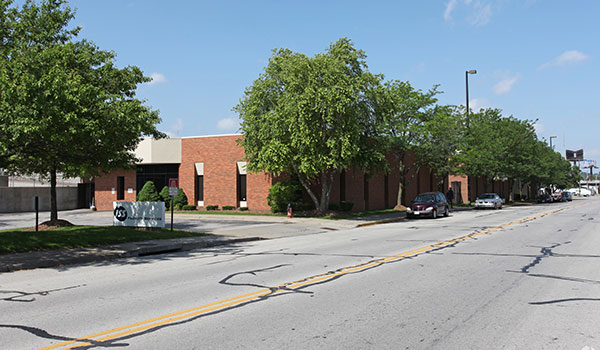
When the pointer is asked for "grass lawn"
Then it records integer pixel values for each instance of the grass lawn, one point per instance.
(19, 240)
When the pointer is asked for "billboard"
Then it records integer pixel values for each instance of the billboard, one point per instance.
(139, 214)
(574, 155)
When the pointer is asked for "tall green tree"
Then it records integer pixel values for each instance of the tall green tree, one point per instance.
(312, 117)
(442, 135)
(64, 105)
(404, 111)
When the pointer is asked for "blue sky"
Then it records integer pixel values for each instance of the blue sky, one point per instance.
(535, 59)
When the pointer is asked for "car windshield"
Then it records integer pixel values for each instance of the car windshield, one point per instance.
(425, 198)
(487, 196)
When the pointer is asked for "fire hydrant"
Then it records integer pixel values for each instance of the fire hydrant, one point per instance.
(289, 210)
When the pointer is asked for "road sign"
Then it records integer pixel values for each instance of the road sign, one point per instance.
(173, 185)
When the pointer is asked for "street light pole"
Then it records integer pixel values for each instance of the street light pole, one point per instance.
(552, 137)
(472, 71)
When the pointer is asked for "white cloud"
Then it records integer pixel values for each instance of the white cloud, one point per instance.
(449, 7)
(157, 78)
(539, 128)
(477, 103)
(566, 58)
(479, 13)
(228, 124)
(505, 85)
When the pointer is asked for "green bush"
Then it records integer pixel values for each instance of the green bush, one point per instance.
(244, 208)
(334, 206)
(346, 206)
(189, 207)
(212, 207)
(283, 193)
(228, 207)
(180, 199)
(148, 193)
(164, 196)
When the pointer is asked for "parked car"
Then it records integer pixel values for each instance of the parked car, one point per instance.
(489, 200)
(581, 191)
(566, 196)
(557, 196)
(430, 204)
(545, 198)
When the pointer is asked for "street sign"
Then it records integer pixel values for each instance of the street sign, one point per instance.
(173, 185)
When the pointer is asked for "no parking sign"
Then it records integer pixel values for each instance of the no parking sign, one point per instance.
(173, 185)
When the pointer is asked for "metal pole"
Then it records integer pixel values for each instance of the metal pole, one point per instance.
(467, 86)
(468, 125)
(37, 212)
(171, 213)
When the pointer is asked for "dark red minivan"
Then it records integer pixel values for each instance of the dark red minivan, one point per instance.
(429, 204)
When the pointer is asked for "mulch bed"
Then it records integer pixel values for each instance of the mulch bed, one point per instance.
(47, 225)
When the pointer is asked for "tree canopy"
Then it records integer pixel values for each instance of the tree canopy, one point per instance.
(64, 104)
(312, 117)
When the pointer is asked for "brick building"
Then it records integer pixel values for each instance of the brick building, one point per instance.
(211, 171)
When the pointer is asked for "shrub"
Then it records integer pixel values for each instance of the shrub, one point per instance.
(346, 206)
(212, 207)
(189, 207)
(334, 206)
(180, 199)
(164, 196)
(283, 193)
(148, 193)
(228, 207)
(244, 208)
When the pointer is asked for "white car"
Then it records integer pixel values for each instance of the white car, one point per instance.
(581, 191)
(489, 200)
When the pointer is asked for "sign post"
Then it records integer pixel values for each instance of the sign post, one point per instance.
(173, 185)
(37, 211)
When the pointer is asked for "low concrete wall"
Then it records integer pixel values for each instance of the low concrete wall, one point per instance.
(21, 199)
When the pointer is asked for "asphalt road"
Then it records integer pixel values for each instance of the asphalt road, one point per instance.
(516, 278)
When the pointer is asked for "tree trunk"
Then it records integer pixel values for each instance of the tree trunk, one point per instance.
(53, 206)
(326, 185)
(400, 185)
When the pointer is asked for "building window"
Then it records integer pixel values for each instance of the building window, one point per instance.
(200, 188)
(241, 187)
(157, 173)
(241, 184)
(120, 188)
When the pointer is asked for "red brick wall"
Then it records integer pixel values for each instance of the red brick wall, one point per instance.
(464, 189)
(104, 185)
(220, 155)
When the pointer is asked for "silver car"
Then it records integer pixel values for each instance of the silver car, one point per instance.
(489, 200)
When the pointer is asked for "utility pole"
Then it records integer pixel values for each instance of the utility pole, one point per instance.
(472, 71)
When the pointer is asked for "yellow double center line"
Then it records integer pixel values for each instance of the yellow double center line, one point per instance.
(99, 338)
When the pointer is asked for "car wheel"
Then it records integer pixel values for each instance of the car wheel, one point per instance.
(434, 214)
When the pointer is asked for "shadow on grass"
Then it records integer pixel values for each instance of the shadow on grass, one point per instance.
(20, 240)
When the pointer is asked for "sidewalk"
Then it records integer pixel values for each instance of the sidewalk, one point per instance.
(233, 230)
